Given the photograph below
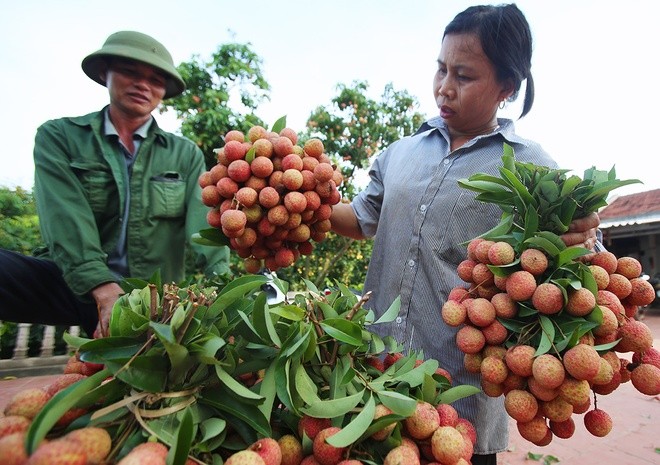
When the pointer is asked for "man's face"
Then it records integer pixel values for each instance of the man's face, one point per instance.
(135, 88)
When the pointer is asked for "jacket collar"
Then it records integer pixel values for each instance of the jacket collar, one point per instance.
(95, 120)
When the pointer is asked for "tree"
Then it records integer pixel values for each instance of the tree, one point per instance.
(19, 225)
(220, 95)
(353, 128)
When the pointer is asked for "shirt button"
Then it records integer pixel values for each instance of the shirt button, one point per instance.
(445, 161)
(411, 262)
(422, 208)
(399, 319)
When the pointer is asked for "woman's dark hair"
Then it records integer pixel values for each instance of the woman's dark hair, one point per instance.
(506, 39)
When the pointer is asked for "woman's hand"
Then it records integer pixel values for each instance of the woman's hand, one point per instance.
(105, 296)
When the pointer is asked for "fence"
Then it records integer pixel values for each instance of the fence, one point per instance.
(22, 364)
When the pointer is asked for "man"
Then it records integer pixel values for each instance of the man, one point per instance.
(116, 196)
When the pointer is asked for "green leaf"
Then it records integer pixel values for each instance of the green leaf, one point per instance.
(268, 391)
(398, 403)
(145, 372)
(108, 348)
(571, 253)
(357, 426)
(237, 389)
(333, 407)
(249, 156)
(519, 188)
(415, 377)
(547, 335)
(391, 313)
(178, 454)
(57, 406)
(305, 386)
(458, 392)
(247, 413)
(543, 244)
(343, 330)
(210, 236)
(279, 124)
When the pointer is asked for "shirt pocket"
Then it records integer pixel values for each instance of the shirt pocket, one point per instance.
(97, 182)
(168, 195)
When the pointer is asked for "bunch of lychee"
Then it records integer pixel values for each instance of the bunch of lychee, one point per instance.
(543, 389)
(271, 196)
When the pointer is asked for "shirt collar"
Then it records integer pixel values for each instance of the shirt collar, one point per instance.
(110, 130)
(506, 128)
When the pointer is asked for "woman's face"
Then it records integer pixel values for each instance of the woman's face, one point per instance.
(465, 87)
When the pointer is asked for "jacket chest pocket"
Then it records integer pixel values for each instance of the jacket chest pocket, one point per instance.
(167, 193)
(98, 184)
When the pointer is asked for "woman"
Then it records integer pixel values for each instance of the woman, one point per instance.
(420, 216)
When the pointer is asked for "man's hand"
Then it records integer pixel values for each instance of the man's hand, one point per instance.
(582, 233)
(105, 296)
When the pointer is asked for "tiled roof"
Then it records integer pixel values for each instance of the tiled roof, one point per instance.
(643, 207)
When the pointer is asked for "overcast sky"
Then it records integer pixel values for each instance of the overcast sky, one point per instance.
(594, 64)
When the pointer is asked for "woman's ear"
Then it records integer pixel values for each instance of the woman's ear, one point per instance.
(508, 88)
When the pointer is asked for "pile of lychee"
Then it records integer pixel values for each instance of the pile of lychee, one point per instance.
(271, 196)
(545, 387)
(88, 445)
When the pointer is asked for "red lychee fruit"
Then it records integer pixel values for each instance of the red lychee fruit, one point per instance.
(642, 292)
(295, 202)
(472, 362)
(262, 148)
(534, 430)
(580, 302)
(533, 261)
(540, 391)
(234, 134)
(650, 355)
(256, 132)
(448, 414)
(605, 373)
(291, 448)
(575, 392)
(556, 409)
(383, 433)
(582, 362)
(400, 455)
(391, 358)
(505, 306)
(519, 359)
(239, 171)
(598, 422)
(481, 275)
(12, 449)
(563, 429)
(629, 267)
(95, 441)
(494, 370)
(481, 251)
(470, 340)
(635, 337)
(423, 421)
(609, 324)
(58, 452)
(520, 285)
(501, 253)
(323, 172)
(464, 270)
(245, 457)
(447, 444)
(495, 333)
(269, 197)
(325, 453)
(548, 298)
(548, 371)
(606, 260)
(313, 147)
(608, 299)
(467, 429)
(619, 285)
(601, 276)
(268, 449)
(27, 403)
(481, 312)
(453, 313)
(310, 426)
(13, 424)
(521, 405)
(646, 379)
(234, 150)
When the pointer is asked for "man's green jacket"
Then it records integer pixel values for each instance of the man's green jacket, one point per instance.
(80, 181)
